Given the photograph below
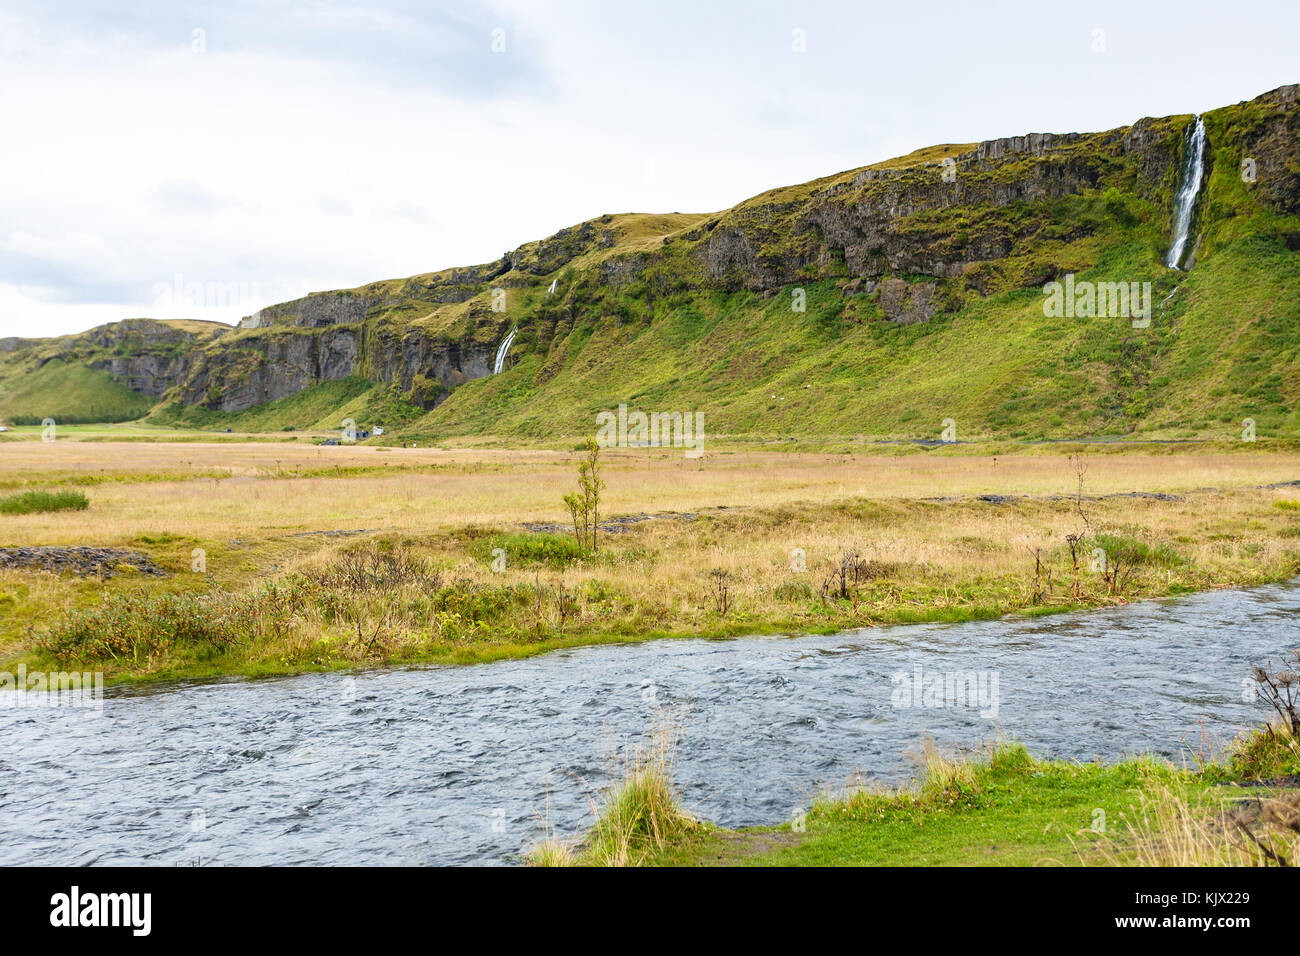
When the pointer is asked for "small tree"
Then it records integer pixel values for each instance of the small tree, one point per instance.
(584, 504)
(1080, 473)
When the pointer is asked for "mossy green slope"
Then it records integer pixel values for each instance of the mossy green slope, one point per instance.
(67, 392)
(1224, 348)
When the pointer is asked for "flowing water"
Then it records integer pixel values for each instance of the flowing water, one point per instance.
(1185, 202)
(467, 764)
(502, 351)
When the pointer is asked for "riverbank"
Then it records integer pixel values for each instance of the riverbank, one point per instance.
(261, 562)
(997, 807)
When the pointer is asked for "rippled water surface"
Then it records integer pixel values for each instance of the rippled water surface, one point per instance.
(466, 765)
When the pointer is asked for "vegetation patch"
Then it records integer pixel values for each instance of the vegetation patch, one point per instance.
(36, 502)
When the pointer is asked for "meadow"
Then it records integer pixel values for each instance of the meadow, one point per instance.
(287, 556)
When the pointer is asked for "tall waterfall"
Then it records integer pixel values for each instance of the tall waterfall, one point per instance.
(1193, 172)
(503, 350)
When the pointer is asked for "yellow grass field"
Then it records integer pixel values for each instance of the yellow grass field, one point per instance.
(776, 525)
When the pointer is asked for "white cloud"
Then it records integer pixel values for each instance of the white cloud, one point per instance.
(327, 146)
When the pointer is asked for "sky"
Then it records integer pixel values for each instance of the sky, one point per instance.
(173, 159)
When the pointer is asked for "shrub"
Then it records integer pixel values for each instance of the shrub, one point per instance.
(33, 502)
(1122, 550)
(377, 567)
(138, 626)
(1262, 754)
(554, 550)
(476, 602)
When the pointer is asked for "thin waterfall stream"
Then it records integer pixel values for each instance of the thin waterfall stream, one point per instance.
(1185, 202)
(503, 350)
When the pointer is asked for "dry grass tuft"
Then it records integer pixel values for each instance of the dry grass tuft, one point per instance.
(1175, 826)
(640, 815)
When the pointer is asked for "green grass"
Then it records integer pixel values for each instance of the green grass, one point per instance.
(1226, 349)
(1009, 811)
(33, 502)
(526, 549)
(69, 393)
(999, 808)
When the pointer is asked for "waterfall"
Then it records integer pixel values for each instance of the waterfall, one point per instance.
(502, 351)
(1185, 202)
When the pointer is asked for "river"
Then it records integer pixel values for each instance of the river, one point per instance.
(444, 765)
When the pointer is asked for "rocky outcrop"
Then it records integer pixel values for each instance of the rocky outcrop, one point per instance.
(314, 311)
(83, 561)
(898, 221)
(146, 355)
(148, 374)
(906, 303)
(262, 368)
(276, 364)
(1265, 145)
(399, 360)
(353, 306)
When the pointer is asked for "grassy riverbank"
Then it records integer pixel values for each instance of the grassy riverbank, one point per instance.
(260, 559)
(1000, 807)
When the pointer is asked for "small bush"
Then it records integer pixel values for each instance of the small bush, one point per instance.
(1264, 753)
(477, 602)
(553, 550)
(137, 626)
(377, 567)
(1130, 552)
(33, 502)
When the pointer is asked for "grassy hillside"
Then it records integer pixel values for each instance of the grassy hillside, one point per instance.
(1224, 348)
(68, 393)
(880, 302)
(1221, 345)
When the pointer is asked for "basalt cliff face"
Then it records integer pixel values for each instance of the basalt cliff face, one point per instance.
(899, 243)
(280, 362)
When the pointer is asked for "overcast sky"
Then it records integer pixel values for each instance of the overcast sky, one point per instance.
(167, 158)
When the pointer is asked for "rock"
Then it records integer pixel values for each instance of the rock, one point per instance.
(907, 304)
(83, 561)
